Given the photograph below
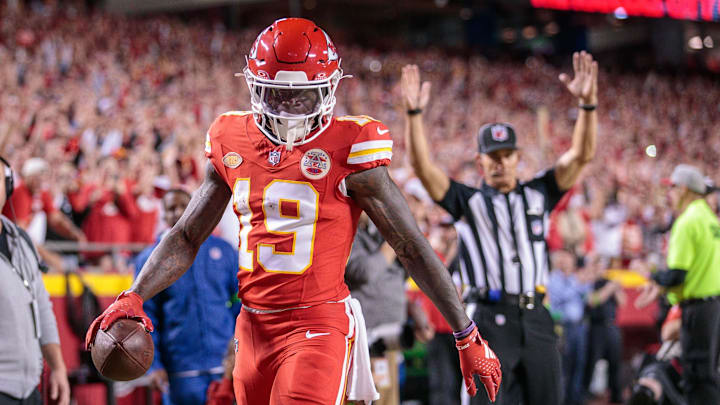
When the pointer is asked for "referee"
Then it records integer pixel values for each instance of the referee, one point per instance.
(501, 228)
(693, 281)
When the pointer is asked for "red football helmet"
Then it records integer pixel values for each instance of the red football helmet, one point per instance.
(292, 71)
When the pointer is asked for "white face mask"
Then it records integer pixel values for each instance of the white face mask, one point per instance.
(292, 110)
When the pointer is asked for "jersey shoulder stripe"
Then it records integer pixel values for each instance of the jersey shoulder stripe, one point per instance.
(370, 145)
(381, 155)
(368, 151)
(235, 113)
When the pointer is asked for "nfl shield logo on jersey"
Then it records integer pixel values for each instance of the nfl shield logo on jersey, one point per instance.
(499, 133)
(274, 157)
(315, 164)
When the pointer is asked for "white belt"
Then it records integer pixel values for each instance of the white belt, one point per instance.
(270, 311)
(275, 311)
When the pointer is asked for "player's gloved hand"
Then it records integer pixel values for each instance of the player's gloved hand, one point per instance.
(476, 357)
(127, 305)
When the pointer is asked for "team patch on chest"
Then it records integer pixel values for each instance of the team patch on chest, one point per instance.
(232, 160)
(315, 164)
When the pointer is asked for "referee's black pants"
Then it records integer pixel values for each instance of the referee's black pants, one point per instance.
(34, 399)
(699, 339)
(526, 344)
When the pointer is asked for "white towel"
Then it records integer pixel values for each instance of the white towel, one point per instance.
(360, 385)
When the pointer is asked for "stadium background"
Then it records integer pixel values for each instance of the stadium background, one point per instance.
(115, 97)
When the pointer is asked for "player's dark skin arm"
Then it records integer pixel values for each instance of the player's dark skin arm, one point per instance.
(377, 194)
(177, 250)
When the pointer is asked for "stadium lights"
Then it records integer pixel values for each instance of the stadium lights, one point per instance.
(651, 151)
(375, 66)
(620, 13)
(708, 42)
(695, 43)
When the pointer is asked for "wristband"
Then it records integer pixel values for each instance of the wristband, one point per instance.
(465, 332)
(588, 107)
(414, 111)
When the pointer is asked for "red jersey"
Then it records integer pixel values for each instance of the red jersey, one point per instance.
(24, 205)
(296, 221)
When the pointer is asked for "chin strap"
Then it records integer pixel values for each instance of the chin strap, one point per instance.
(292, 134)
(289, 130)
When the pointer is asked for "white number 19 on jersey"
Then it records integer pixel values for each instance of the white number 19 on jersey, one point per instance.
(301, 226)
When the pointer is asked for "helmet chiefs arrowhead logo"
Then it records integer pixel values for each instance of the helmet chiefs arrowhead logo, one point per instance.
(331, 52)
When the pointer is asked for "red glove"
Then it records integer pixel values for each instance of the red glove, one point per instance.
(220, 392)
(127, 305)
(476, 357)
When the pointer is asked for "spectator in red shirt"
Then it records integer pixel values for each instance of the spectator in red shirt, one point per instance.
(30, 198)
(111, 207)
(570, 224)
(146, 213)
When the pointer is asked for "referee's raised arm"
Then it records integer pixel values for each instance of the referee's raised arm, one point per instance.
(415, 99)
(583, 86)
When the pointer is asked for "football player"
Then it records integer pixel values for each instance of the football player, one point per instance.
(299, 179)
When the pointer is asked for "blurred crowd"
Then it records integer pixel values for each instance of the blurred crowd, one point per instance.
(100, 113)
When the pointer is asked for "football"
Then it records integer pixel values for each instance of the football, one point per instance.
(123, 352)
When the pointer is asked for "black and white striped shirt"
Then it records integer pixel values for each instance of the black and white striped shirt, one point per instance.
(500, 251)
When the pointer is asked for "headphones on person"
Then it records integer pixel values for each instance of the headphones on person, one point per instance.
(9, 180)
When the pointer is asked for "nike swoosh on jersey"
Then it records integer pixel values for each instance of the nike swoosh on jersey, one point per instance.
(312, 335)
(382, 131)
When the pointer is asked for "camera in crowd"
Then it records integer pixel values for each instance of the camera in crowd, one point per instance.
(658, 383)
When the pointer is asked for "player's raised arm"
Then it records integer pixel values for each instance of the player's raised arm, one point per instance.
(415, 99)
(377, 194)
(583, 86)
(172, 257)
